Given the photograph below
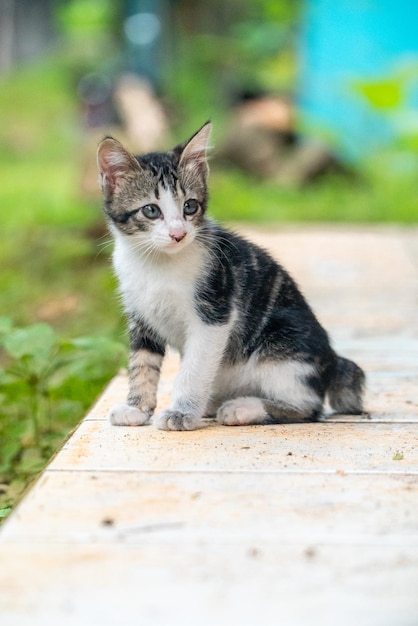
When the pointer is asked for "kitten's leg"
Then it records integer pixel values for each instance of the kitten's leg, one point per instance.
(144, 372)
(203, 353)
(145, 361)
(252, 410)
(212, 408)
(284, 392)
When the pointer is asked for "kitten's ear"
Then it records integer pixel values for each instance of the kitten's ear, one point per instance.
(193, 153)
(114, 163)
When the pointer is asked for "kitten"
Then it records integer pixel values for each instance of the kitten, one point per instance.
(252, 350)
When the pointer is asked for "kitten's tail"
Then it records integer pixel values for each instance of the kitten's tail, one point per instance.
(345, 392)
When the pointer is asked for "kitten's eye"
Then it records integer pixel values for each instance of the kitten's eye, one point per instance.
(190, 207)
(151, 211)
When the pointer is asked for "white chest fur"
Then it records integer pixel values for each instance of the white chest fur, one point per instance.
(159, 289)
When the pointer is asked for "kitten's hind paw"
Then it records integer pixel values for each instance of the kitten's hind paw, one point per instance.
(175, 420)
(241, 412)
(122, 414)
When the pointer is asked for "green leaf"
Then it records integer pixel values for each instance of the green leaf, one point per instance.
(398, 456)
(9, 452)
(100, 345)
(31, 461)
(33, 341)
(5, 512)
(381, 94)
(6, 325)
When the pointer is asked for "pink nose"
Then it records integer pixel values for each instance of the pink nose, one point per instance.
(178, 236)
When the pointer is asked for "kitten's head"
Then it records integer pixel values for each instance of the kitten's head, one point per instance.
(159, 199)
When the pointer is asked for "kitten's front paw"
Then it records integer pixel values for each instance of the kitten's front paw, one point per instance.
(175, 420)
(122, 414)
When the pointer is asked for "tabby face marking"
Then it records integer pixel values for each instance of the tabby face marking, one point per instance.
(159, 198)
(170, 231)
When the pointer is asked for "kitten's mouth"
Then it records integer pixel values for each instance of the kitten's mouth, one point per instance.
(175, 245)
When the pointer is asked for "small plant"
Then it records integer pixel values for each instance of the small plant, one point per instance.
(46, 383)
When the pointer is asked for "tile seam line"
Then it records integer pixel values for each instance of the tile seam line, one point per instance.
(380, 542)
(371, 423)
(338, 472)
(368, 422)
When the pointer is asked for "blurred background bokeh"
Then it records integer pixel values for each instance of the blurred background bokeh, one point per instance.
(315, 112)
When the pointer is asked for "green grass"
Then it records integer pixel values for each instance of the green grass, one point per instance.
(46, 252)
(372, 199)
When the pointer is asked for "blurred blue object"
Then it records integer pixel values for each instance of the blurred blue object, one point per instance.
(358, 87)
(146, 34)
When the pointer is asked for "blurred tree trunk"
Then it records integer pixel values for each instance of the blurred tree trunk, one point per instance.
(27, 30)
(7, 30)
(213, 17)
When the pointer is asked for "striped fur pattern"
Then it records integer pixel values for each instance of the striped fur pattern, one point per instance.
(252, 350)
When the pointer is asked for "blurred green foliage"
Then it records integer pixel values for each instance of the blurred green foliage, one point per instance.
(86, 17)
(383, 94)
(388, 98)
(255, 50)
(46, 383)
